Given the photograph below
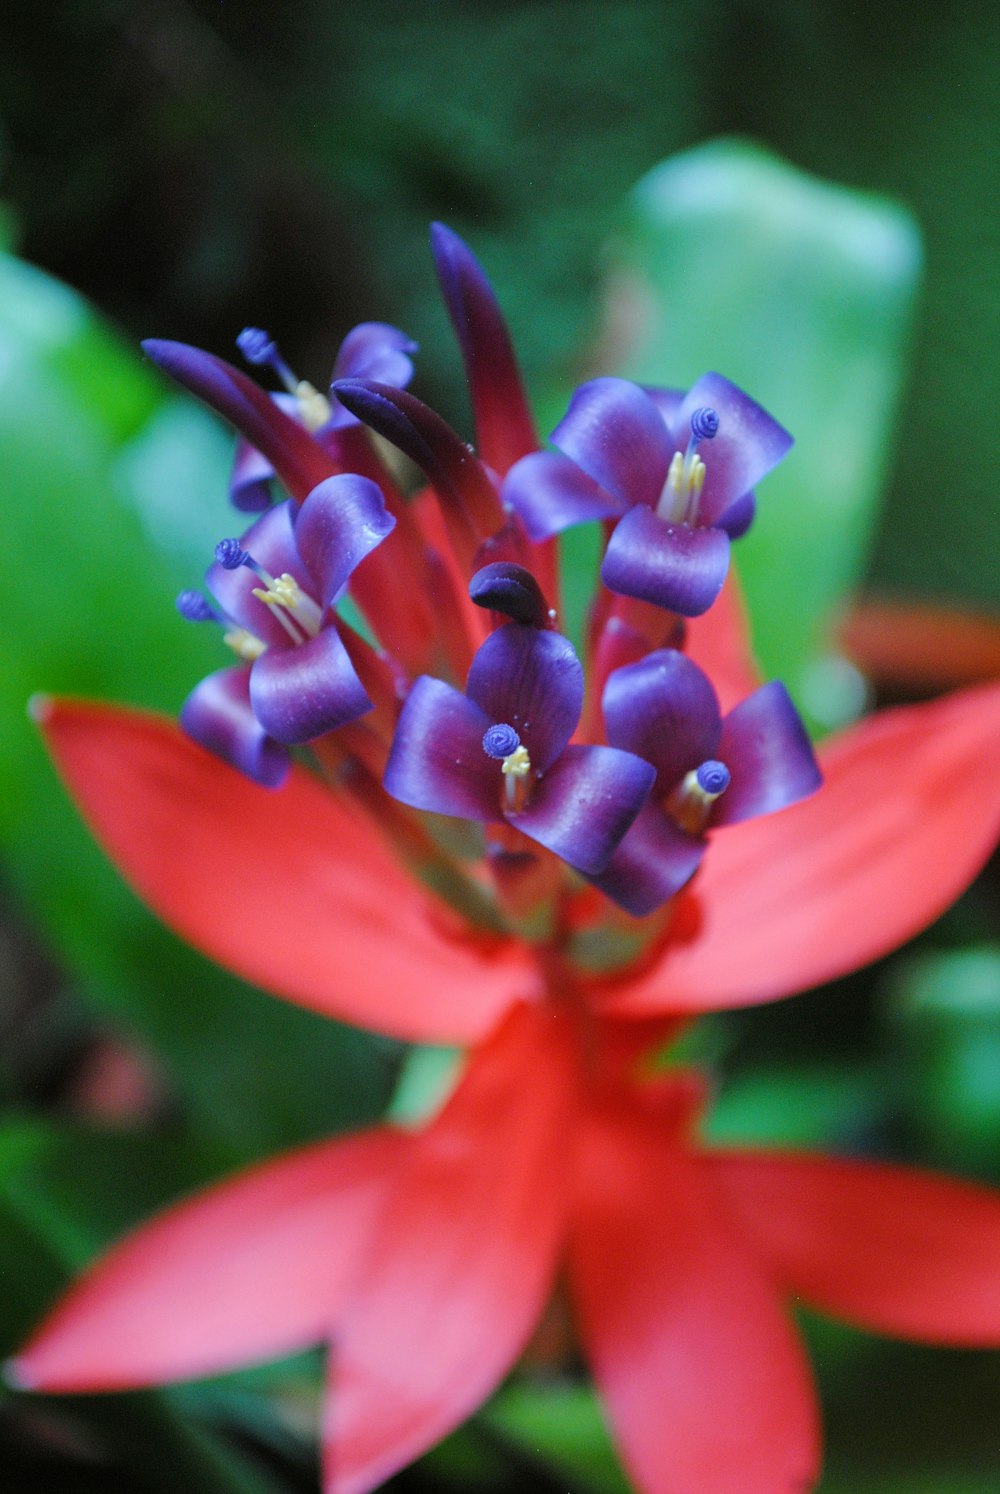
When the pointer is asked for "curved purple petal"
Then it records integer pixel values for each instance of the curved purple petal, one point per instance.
(341, 522)
(512, 590)
(664, 709)
(531, 681)
(303, 692)
(371, 350)
(549, 493)
(505, 430)
(271, 542)
(295, 456)
(678, 568)
(765, 747)
(585, 803)
(250, 479)
(748, 444)
(738, 516)
(654, 861)
(667, 401)
(437, 760)
(614, 431)
(218, 716)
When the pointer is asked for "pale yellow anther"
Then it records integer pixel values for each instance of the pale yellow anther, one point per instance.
(283, 591)
(245, 645)
(314, 408)
(518, 764)
(682, 489)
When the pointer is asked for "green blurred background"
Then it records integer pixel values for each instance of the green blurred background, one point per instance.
(187, 167)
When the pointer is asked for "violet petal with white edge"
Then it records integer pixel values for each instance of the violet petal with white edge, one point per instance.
(664, 709)
(585, 803)
(533, 681)
(765, 747)
(654, 861)
(303, 692)
(749, 442)
(341, 521)
(218, 716)
(677, 568)
(437, 760)
(614, 431)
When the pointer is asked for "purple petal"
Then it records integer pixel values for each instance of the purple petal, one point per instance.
(654, 861)
(510, 589)
(614, 431)
(765, 747)
(532, 681)
(371, 350)
(585, 803)
(301, 693)
(250, 480)
(667, 401)
(271, 542)
(505, 430)
(549, 493)
(738, 516)
(437, 760)
(678, 568)
(218, 716)
(749, 443)
(665, 710)
(341, 522)
(295, 456)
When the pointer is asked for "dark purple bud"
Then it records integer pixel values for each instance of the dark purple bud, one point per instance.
(230, 555)
(500, 741)
(194, 608)
(704, 424)
(713, 777)
(509, 588)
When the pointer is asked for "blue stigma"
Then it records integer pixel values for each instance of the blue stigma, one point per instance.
(500, 741)
(704, 424)
(230, 555)
(193, 606)
(713, 777)
(259, 347)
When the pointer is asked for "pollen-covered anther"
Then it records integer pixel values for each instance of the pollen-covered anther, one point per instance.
(691, 803)
(244, 644)
(314, 408)
(678, 501)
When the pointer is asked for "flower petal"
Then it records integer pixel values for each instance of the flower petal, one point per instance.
(376, 350)
(301, 693)
(585, 803)
(748, 444)
(704, 1380)
(676, 567)
(532, 681)
(654, 861)
(341, 521)
(251, 1269)
(664, 709)
(298, 460)
(505, 430)
(271, 542)
(463, 1261)
(549, 493)
(614, 431)
(250, 479)
(765, 747)
(892, 1249)
(437, 760)
(218, 716)
(291, 890)
(908, 813)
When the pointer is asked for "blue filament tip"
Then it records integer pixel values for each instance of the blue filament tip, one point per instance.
(704, 424)
(500, 741)
(230, 555)
(713, 777)
(193, 606)
(257, 346)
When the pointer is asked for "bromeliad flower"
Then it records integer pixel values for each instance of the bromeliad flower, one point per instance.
(501, 750)
(426, 1259)
(677, 472)
(710, 771)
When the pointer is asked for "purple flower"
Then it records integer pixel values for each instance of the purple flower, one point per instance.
(500, 751)
(710, 770)
(676, 470)
(275, 589)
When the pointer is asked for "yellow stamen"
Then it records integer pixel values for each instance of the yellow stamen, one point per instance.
(244, 644)
(516, 768)
(314, 408)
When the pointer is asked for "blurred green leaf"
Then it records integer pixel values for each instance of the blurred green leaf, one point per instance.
(801, 292)
(809, 1105)
(115, 489)
(564, 1425)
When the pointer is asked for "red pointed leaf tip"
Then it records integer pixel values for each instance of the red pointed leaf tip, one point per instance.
(251, 1269)
(908, 813)
(287, 888)
(890, 1249)
(463, 1262)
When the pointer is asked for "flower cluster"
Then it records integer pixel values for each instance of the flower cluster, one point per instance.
(490, 838)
